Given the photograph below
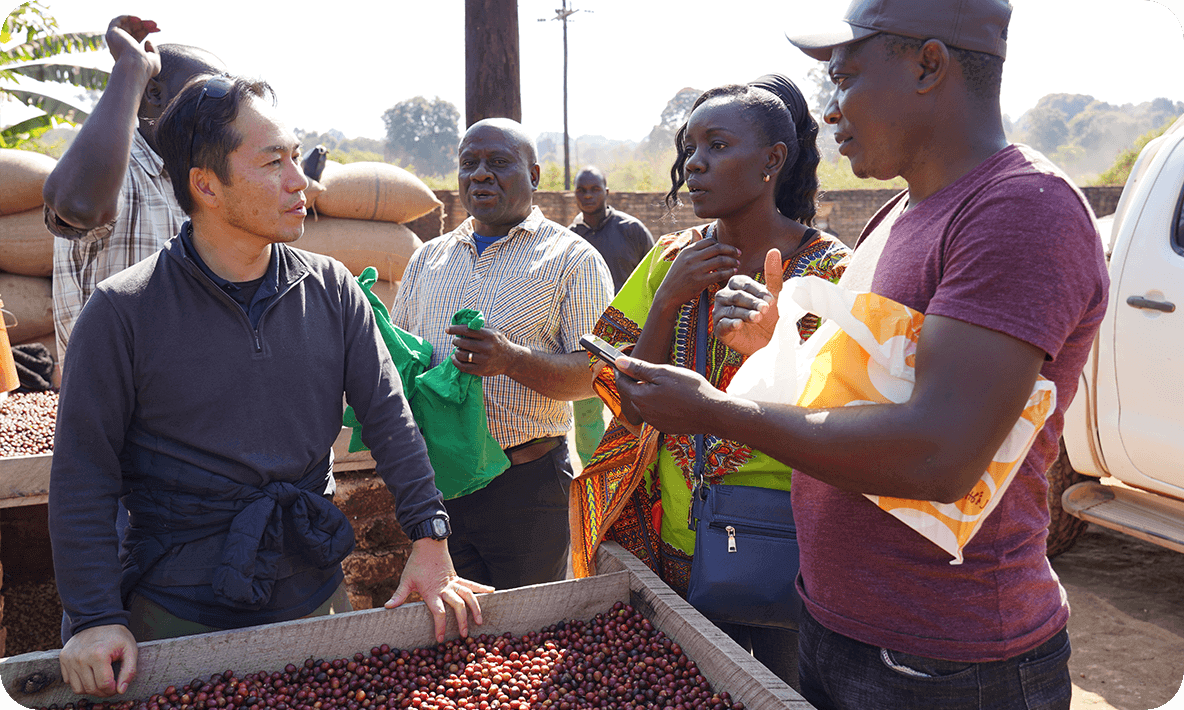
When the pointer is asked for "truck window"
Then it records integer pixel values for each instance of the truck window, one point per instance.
(1178, 237)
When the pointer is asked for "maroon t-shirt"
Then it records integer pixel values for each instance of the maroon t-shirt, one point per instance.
(1011, 246)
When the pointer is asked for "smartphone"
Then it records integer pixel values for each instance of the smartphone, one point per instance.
(601, 349)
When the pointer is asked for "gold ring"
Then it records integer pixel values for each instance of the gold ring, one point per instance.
(470, 357)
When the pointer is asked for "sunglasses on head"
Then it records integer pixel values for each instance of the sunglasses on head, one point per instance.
(216, 87)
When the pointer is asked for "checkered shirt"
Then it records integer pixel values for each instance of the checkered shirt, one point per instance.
(148, 217)
(542, 286)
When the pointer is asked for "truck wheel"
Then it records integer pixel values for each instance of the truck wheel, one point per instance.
(1063, 528)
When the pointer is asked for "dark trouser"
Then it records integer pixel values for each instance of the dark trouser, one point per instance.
(840, 673)
(514, 532)
(151, 621)
(777, 649)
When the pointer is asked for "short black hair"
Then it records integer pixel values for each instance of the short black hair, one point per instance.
(983, 72)
(210, 135)
(797, 183)
(185, 59)
(593, 171)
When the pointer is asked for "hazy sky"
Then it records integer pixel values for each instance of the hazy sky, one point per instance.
(340, 64)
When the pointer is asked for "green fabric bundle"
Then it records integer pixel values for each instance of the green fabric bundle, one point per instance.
(449, 405)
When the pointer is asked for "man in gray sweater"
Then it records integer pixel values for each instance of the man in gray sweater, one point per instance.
(206, 393)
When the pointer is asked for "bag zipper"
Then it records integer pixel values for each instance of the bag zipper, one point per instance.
(732, 532)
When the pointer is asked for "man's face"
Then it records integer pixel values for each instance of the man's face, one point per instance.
(265, 197)
(590, 193)
(874, 109)
(496, 180)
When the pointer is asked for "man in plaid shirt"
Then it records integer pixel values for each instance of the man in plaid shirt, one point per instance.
(540, 287)
(109, 198)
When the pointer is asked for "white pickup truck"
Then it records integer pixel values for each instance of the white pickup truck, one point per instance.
(1122, 459)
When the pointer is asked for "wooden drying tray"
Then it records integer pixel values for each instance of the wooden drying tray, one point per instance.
(517, 611)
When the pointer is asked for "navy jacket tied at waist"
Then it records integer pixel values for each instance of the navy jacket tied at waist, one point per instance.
(265, 528)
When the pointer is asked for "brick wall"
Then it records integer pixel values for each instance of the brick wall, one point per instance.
(841, 212)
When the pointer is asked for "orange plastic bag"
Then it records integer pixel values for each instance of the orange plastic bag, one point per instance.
(864, 353)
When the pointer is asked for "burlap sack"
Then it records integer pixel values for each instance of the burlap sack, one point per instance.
(30, 299)
(311, 193)
(22, 175)
(360, 243)
(374, 191)
(26, 246)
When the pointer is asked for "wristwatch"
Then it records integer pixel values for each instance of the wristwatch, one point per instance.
(435, 527)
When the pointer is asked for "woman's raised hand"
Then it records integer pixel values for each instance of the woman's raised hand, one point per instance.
(745, 312)
(695, 268)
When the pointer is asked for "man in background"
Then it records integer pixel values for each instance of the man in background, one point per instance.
(623, 241)
(540, 288)
(109, 198)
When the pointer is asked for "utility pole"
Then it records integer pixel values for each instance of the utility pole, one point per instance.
(561, 14)
(492, 83)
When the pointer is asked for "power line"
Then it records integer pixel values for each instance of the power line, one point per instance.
(561, 14)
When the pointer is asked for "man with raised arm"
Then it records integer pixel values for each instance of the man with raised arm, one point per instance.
(109, 198)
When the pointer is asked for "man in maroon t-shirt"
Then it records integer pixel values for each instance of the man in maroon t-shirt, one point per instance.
(1000, 252)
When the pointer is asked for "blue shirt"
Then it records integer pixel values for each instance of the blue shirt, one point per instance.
(483, 242)
(253, 296)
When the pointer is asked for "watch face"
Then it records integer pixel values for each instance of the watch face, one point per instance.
(439, 528)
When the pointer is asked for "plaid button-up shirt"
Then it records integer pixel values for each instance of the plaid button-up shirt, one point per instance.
(542, 286)
(148, 217)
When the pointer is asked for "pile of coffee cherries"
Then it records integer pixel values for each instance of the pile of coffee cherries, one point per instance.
(616, 660)
(27, 422)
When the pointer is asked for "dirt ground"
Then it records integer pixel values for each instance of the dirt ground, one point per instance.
(1127, 622)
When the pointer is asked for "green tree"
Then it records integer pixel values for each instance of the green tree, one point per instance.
(818, 90)
(1046, 129)
(35, 60)
(423, 134)
(1121, 169)
(660, 141)
(551, 177)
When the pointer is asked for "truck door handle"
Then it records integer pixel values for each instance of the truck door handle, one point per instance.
(1140, 302)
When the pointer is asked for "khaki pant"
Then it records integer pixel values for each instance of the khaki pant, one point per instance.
(150, 621)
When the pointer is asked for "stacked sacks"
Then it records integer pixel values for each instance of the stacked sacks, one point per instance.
(360, 216)
(26, 247)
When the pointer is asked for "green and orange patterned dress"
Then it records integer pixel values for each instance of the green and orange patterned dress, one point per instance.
(636, 490)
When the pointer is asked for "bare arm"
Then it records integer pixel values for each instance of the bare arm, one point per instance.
(84, 187)
(972, 384)
(562, 376)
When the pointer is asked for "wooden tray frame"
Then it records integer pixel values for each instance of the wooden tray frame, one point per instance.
(622, 578)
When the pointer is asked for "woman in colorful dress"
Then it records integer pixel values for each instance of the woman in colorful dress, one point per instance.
(748, 158)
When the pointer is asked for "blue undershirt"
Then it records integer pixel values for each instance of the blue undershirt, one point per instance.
(483, 242)
(253, 296)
